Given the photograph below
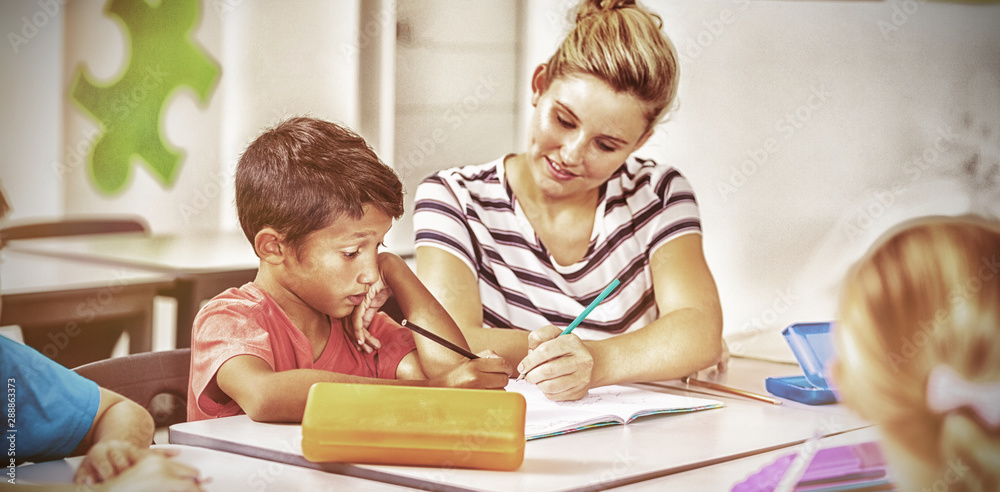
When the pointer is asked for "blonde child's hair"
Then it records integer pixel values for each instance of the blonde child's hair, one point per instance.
(926, 295)
(621, 43)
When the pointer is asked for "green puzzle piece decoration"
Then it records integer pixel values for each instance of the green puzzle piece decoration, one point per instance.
(164, 58)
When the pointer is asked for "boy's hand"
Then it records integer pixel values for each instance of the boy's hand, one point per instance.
(489, 371)
(361, 318)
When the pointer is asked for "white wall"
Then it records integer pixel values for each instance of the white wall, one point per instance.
(456, 82)
(30, 75)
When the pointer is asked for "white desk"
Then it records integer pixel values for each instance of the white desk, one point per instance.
(725, 475)
(648, 448)
(60, 303)
(202, 263)
(227, 472)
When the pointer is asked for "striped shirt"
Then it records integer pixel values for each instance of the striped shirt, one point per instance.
(472, 213)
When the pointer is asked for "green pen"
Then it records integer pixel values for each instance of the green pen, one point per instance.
(597, 300)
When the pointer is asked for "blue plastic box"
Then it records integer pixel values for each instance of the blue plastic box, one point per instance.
(812, 344)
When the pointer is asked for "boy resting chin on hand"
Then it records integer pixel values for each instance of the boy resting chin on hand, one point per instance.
(316, 203)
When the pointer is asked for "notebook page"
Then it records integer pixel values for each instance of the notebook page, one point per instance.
(545, 417)
(602, 406)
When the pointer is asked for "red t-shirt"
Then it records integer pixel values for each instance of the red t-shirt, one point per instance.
(247, 321)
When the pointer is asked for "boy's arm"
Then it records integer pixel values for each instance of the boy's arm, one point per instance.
(420, 306)
(268, 396)
(455, 285)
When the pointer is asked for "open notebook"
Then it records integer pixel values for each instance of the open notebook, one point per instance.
(608, 405)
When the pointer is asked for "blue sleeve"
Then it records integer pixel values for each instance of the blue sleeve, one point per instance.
(48, 409)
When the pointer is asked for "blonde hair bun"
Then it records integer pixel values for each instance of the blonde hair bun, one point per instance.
(597, 7)
(621, 43)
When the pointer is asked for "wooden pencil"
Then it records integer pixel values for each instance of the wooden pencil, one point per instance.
(455, 348)
(730, 390)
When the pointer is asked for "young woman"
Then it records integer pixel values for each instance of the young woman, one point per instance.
(527, 241)
(919, 351)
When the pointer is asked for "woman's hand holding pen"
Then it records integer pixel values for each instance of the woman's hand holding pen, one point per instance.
(489, 371)
(561, 366)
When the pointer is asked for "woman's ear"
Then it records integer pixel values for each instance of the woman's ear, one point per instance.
(539, 83)
(270, 246)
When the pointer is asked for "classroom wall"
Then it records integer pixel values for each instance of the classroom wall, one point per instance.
(810, 128)
(30, 74)
(104, 49)
(456, 79)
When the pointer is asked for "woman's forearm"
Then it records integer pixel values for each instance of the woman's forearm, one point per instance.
(676, 345)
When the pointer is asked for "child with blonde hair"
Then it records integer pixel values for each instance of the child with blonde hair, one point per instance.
(919, 351)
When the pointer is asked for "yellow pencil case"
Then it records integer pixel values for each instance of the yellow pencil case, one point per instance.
(403, 425)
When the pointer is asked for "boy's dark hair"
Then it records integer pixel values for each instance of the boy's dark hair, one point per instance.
(301, 175)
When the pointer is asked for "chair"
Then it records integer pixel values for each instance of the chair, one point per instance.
(146, 379)
(72, 227)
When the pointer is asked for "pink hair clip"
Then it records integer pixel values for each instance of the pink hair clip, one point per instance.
(948, 391)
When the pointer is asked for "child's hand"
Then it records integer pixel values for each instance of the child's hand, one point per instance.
(361, 318)
(489, 371)
(155, 472)
(108, 459)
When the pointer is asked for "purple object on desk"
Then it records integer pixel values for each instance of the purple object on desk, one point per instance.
(839, 468)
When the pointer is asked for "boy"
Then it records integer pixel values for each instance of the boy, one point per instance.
(316, 202)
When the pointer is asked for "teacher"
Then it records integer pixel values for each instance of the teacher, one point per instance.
(516, 248)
